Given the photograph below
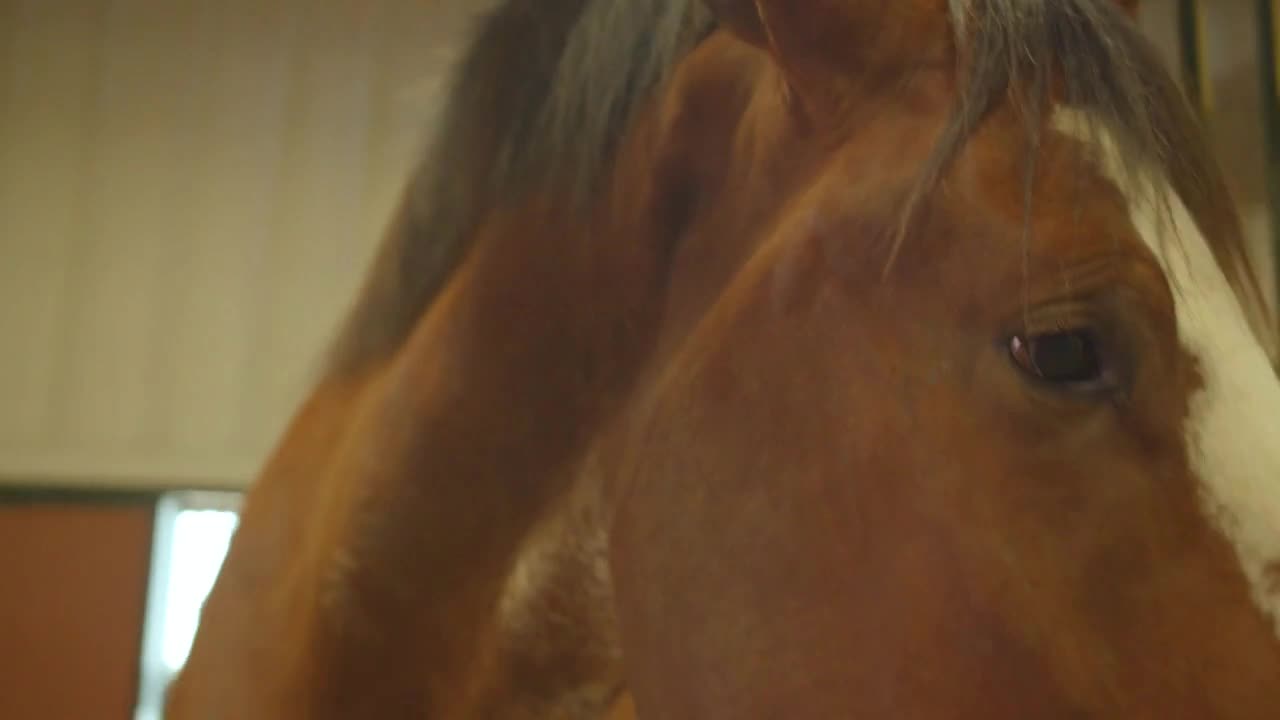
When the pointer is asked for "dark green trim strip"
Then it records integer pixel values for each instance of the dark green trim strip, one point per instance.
(1267, 16)
(36, 495)
(1191, 55)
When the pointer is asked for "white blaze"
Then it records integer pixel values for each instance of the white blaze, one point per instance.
(1233, 424)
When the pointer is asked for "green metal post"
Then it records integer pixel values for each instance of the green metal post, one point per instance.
(1266, 19)
(1191, 55)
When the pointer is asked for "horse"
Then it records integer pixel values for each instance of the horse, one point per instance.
(781, 358)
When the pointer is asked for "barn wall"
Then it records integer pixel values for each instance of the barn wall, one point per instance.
(74, 572)
(189, 191)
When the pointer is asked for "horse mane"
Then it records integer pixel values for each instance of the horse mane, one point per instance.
(538, 99)
(547, 87)
(1013, 50)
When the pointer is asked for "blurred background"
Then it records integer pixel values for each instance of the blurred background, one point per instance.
(189, 193)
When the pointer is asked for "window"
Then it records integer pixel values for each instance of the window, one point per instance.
(192, 532)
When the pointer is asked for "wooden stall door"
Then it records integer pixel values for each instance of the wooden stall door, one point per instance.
(73, 583)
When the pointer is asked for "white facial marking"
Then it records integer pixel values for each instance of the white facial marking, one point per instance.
(559, 599)
(1233, 423)
(533, 573)
(566, 551)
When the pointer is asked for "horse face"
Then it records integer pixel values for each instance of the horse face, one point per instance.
(1032, 470)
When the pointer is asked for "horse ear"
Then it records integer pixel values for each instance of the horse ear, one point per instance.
(820, 44)
(1130, 7)
(752, 20)
(742, 18)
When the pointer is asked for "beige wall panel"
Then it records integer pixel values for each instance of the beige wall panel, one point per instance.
(188, 194)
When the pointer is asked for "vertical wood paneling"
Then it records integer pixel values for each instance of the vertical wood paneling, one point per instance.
(114, 349)
(47, 112)
(189, 193)
(246, 77)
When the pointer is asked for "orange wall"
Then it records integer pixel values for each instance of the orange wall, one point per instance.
(72, 595)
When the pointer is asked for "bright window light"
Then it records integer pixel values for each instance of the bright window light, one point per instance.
(192, 533)
(200, 539)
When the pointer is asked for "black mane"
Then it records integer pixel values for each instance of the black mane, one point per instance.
(541, 96)
(546, 88)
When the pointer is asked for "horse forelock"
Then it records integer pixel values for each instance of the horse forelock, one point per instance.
(1089, 55)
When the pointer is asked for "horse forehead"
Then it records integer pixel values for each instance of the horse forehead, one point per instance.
(1232, 427)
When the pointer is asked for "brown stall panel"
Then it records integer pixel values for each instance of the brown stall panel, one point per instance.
(72, 595)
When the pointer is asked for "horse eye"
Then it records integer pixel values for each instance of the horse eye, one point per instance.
(1069, 357)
